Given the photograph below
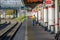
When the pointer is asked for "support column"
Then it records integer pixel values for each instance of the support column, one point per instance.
(53, 19)
(39, 16)
(50, 19)
(36, 14)
(4, 12)
(4, 15)
(16, 13)
(42, 11)
(45, 17)
(56, 16)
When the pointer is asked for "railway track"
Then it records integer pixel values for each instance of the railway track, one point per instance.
(4, 25)
(10, 31)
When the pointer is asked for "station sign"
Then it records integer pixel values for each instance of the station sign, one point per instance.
(49, 2)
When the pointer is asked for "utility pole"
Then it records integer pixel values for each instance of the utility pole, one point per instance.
(56, 16)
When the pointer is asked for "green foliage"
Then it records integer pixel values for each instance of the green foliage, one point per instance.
(21, 18)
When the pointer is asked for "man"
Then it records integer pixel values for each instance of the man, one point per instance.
(34, 20)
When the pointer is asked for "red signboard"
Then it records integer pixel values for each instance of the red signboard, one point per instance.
(48, 1)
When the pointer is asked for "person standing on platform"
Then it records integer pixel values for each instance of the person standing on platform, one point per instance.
(33, 20)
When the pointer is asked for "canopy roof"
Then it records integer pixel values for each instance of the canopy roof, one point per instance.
(11, 3)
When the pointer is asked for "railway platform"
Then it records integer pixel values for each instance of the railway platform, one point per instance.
(29, 32)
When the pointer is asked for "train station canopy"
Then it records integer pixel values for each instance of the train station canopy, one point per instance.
(16, 4)
(11, 3)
